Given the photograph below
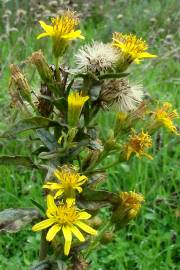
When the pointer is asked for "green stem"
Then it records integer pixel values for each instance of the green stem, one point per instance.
(58, 77)
(43, 246)
(96, 241)
(103, 168)
(91, 167)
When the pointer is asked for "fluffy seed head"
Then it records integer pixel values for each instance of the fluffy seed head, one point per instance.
(96, 58)
(120, 92)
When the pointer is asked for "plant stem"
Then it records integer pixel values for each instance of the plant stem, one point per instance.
(96, 241)
(104, 168)
(58, 77)
(43, 246)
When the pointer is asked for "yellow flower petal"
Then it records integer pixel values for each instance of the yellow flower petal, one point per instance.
(42, 35)
(68, 239)
(43, 224)
(52, 186)
(51, 204)
(70, 201)
(79, 189)
(59, 193)
(118, 43)
(73, 35)
(85, 227)
(84, 215)
(147, 55)
(77, 233)
(57, 173)
(52, 232)
(82, 179)
(47, 28)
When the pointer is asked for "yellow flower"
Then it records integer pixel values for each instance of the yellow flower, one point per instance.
(128, 208)
(68, 182)
(132, 49)
(62, 31)
(137, 144)
(165, 115)
(131, 201)
(75, 104)
(65, 218)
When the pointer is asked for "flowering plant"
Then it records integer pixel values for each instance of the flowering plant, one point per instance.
(64, 118)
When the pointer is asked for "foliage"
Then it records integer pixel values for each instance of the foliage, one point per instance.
(150, 172)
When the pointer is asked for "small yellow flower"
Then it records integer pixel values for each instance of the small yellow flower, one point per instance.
(65, 218)
(132, 49)
(131, 201)
(62, 31)
(128, 208)
(68, 182)
(137, 144)
(165, 116)
(75, 104)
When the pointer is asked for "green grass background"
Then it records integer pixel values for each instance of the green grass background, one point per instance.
(151, 242)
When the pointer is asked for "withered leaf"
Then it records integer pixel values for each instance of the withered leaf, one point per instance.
(13, 219)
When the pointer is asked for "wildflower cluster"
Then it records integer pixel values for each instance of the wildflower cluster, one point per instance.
(70, 146)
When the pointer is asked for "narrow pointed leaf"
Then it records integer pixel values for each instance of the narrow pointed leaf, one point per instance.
(99, 196)
(17, 160)
(28, 124)
(12, 220)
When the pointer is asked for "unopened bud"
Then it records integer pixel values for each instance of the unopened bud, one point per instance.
(121, 122)
(20, 82)
(111, 142)
(95, 222)
(128, 208)
(76, 102)
(91, 158)
(42, 66)
(107, 237)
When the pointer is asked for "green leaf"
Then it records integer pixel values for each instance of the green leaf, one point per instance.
(38, 205)
(49, 155)
(27, 124)
(61, 104)
(43, 265)
(95, 91)
(47, 138)
(12, 220)
(61, 265)
(17, 160)
(47, 265)
(99, 196)
(113, 75)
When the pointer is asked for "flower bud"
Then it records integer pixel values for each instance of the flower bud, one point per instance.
(75, 104)
(107, 237)
(20, 82)
(127, 208)
(42, 66)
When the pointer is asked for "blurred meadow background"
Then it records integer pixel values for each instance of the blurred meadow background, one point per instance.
(151, 242)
